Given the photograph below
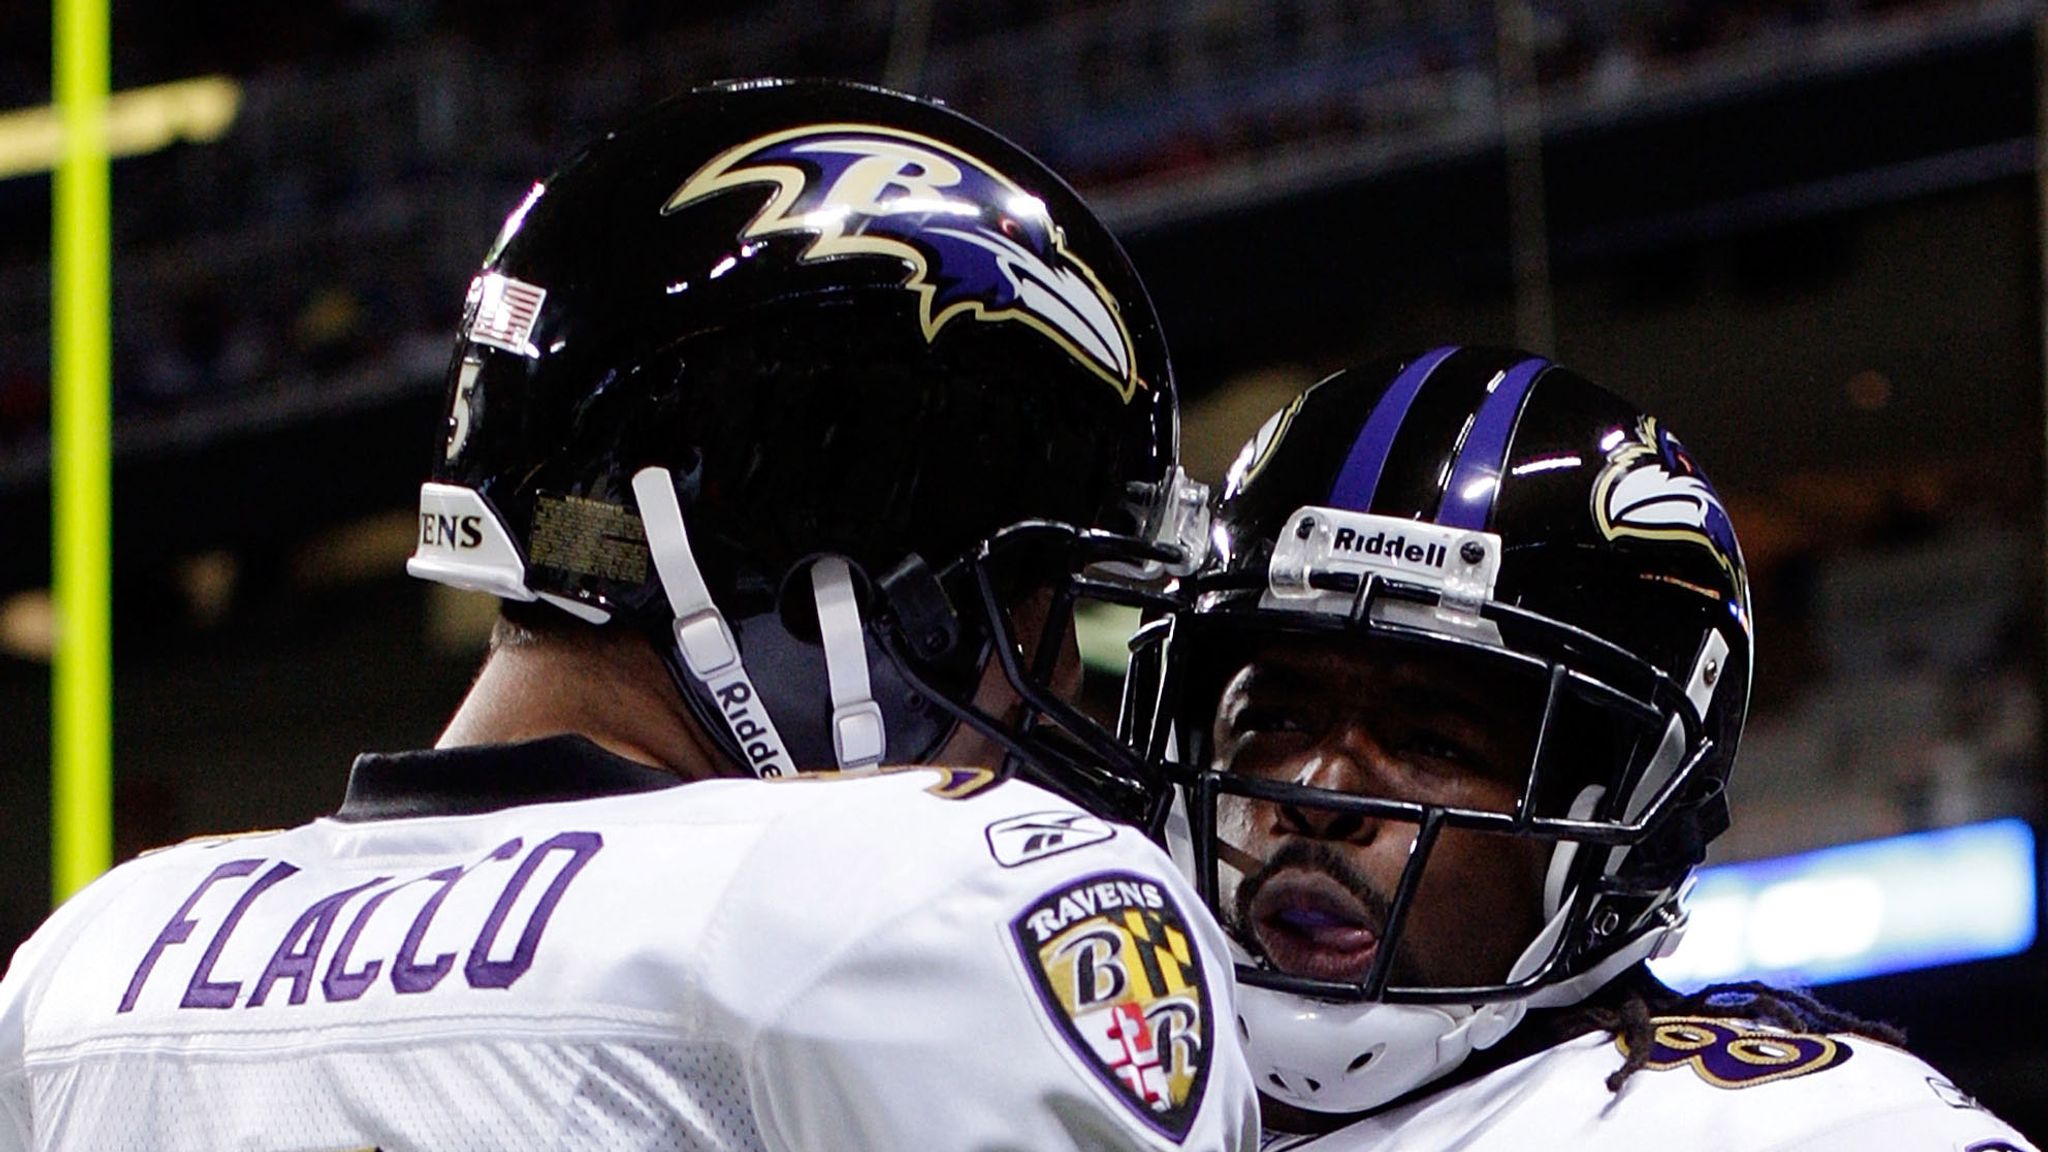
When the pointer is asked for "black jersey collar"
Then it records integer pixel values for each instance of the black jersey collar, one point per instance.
(489, 777)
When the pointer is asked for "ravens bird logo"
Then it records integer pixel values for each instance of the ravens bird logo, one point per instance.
(976, 244)
(1652, 489)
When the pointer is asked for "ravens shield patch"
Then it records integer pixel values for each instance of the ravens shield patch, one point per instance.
(1114, 963)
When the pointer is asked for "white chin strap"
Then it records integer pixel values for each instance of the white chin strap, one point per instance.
(711, 655)
(858, 736)
(704, 640)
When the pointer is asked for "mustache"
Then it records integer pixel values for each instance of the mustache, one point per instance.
(1310, 856)
(1320, 856)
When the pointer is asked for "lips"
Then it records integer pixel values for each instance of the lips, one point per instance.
(1308, 924)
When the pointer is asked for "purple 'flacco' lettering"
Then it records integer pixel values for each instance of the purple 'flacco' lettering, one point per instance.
(180, 927)
(203, 993)
(340, 984)
(481, 970)
(408, 975)
(296, 963)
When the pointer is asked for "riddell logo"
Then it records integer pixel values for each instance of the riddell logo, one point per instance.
(1398, 549)
(763, 749)
(437, 531)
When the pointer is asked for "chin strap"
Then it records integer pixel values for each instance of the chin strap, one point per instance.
(858, 735)
(703, 639)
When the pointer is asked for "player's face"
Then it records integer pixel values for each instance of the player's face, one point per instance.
(1309, 888)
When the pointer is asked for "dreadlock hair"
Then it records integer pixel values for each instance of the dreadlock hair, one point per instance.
(1641, 998)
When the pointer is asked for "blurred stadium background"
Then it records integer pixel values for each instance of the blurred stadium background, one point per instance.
(1807, 232)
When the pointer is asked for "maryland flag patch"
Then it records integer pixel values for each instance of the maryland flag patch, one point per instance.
(1114, 964)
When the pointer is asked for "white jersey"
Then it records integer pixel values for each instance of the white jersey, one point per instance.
(1711, 1085)
(915, 959)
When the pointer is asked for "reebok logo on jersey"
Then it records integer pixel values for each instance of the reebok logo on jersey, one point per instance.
(1114, 965)
(1036, 835)
(1953, 1096)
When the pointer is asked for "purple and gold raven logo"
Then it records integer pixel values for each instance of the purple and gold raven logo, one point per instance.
(1652, 488)
(977, 245)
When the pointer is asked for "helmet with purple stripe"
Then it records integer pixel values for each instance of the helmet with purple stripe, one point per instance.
(1461, 606)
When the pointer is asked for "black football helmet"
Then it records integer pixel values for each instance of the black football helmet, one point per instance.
(816, 382)
(1491, 512)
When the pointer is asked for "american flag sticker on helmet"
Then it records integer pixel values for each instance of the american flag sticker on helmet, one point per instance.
(506, 311)
(1113, 963)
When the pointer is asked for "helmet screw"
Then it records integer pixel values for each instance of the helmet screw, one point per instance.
(1307, 525)
(1710, 673)
(1472, 552)
(1608, 922)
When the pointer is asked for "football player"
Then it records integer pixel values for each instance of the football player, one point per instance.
(1459, 695)
(788, 422)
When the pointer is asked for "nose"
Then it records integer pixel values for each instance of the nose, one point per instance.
(1325, 823)
(1344, 762)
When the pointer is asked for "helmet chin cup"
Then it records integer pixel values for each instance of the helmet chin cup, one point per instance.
(1345, 1058)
